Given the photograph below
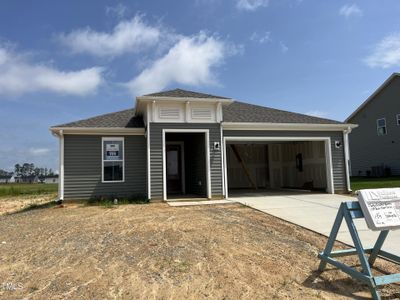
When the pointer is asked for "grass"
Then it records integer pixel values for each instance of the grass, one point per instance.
(108, 201)
(359, 183)
(18, 189)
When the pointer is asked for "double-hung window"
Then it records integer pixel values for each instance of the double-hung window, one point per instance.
(113, 159)
(381, 126)
(398, 119)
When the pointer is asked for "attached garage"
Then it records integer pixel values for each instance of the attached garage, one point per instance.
(262, 164)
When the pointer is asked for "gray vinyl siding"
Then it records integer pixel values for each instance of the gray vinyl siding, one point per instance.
(83, 163)
(338, 160)
(156, 165)
(367, 149)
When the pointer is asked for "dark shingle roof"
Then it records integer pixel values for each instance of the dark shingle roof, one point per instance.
(125, 118)
(244, 112)
(183, 94)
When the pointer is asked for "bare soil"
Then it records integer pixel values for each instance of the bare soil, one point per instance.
(158, 252)
(9, 204)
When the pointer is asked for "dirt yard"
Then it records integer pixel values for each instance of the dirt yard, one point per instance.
(10, 204)
(158, 252)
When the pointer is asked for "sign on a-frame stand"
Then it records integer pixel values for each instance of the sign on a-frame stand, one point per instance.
(381, 210)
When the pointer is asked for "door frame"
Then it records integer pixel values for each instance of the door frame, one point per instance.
(207, 153)
(182, 144)
(328, 154)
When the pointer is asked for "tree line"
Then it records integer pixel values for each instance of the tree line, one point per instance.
(29, 169)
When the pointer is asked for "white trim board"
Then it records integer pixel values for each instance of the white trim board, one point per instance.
(98, 131)
(207, 153)
(285, 126)
(328, 154)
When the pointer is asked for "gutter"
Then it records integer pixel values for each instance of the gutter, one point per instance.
(286, 126)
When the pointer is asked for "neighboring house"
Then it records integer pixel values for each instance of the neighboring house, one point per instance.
(5, 178)
(179, 143)
(26, 179)
(50, 179)
(375, 144)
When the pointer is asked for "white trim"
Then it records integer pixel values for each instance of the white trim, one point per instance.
(183, 179)
(61, 171)
(225, 174)
(148, 152)
(328, 153)
(285, 126)
(222, 151)
(183, 99)
(122, 139)
(377, 126)
(99, 130)
(347, 157)
(207, 147)
(377, 91)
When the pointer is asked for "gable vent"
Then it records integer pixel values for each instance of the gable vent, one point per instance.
(201, 113)
(169, 113)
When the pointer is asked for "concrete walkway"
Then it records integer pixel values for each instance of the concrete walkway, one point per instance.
(316, 212)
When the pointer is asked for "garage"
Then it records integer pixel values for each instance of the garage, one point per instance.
(271, 164)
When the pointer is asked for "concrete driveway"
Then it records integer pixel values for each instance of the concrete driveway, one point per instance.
(314, 211)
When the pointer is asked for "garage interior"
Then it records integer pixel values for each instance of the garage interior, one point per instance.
(268, 166)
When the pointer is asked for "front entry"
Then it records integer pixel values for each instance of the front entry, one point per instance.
(174, 169)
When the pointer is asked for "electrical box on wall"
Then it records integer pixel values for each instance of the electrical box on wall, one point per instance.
(217, 146)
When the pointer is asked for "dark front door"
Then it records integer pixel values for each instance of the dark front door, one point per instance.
(174, 169)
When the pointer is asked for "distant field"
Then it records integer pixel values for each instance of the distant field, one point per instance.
(17, 189)
(359, 183)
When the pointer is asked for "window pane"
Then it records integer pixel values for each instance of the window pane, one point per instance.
(112, 171)
(112, 150)
(381, 122)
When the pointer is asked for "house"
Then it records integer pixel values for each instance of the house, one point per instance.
(375, 144)
(180, 143)
(26, 179)
(5, 178)
(49, 179)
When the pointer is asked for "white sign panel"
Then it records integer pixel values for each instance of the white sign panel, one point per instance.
(112, 151)
(381, 208)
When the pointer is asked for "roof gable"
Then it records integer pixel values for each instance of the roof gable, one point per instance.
(374, 94)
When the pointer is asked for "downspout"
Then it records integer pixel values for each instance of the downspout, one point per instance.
(61, 183)
(347, 157)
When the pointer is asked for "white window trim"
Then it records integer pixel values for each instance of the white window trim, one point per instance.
(118, 139)
(398, 119)
(377, 126)
(328, 155)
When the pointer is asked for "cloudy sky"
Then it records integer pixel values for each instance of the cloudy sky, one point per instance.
(63, 61)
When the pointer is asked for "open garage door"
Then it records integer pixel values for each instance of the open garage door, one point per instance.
(257, 165)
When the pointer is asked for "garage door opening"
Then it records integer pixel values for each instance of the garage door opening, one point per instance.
(263, 166)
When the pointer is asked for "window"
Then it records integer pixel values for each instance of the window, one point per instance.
(398, 119)
(113, 159)
(381, 126)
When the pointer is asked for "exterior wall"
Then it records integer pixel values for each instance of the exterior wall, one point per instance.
(338, 159)
(83, 163)
(367, 149)
(156, 164)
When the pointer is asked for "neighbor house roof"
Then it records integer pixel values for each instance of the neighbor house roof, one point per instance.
(377, 91)
(250, 113)
(120, 119)
(179, 93)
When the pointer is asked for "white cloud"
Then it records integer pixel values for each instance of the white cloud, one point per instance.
(190, 61)
(118, 10)
(18, 76)
(261, 37)
(38, 151)
(283, 46)
(386, 53)
(317, 113)
(251, 5)
(131, 36)
(352, 10)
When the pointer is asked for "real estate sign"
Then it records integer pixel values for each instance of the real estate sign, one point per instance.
(112, 151)
(381, 208)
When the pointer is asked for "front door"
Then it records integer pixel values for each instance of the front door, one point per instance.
(174, 169)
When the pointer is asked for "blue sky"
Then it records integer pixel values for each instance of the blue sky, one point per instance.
(62, 61)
